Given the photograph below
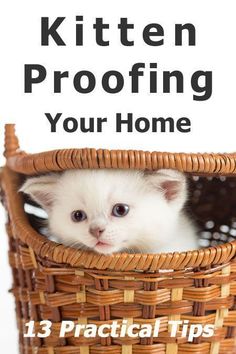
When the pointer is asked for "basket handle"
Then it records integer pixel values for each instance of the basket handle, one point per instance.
(11, 145)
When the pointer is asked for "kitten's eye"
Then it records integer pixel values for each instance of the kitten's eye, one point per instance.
(78, 216)
(120, 210)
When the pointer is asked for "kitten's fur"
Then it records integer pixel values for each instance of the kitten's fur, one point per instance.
(155, 222)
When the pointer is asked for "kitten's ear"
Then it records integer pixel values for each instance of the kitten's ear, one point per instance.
(171, 183)
(41, 189)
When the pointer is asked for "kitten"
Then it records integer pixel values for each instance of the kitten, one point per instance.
(111, 211)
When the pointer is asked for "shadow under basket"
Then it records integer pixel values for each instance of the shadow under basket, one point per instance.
(57, 283)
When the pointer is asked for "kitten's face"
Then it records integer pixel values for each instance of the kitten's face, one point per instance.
(110, 211)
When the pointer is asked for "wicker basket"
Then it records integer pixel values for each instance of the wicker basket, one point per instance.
(59, 283)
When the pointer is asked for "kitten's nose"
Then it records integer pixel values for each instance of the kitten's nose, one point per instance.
(96, 231)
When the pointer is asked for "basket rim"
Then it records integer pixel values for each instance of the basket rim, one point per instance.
(209, 164)
(122, 262)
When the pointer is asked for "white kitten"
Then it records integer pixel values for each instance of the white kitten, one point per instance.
(116, 210)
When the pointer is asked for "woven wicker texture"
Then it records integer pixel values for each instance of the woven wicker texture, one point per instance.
(59, 160)
(54, 282)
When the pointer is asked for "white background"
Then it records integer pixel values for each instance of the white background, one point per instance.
(213, 121)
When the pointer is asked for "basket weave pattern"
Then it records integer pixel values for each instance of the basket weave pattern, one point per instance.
(53, 282)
